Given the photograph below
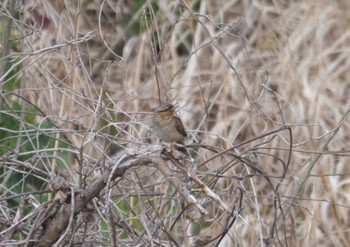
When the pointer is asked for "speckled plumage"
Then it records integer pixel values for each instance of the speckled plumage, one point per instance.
(167, 125)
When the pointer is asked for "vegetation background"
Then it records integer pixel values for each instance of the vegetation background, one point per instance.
(261, 86)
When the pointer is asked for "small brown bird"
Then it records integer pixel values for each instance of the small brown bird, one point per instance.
(167, 125)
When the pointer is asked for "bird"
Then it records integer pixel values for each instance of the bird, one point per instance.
(167, 125)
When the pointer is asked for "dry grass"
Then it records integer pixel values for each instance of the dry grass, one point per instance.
(243, 73)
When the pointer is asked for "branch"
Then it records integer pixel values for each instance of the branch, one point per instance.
(58, 225)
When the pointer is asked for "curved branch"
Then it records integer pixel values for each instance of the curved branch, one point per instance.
(58, 225)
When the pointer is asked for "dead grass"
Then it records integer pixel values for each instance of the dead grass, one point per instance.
(241, 73)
